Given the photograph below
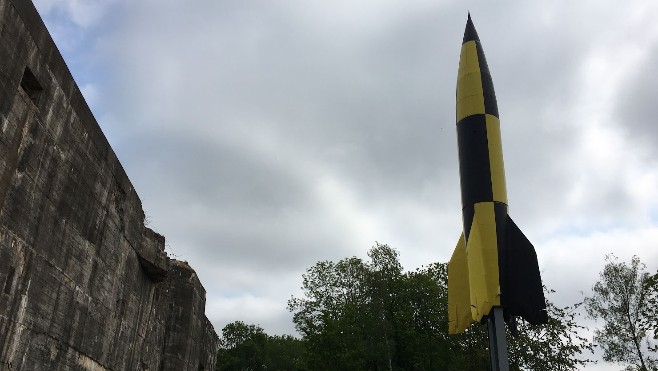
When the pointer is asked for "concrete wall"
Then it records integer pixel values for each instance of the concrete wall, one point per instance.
(84, 285)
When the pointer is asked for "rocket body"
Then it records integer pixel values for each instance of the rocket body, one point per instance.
(494, 264)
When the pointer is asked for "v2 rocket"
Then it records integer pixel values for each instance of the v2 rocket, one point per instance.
(494, 264)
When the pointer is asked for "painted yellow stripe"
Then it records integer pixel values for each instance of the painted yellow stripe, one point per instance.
(496, 164)
(482, 258)
(470, 99)
(459, 298)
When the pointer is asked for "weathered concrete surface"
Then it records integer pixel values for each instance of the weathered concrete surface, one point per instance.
(84, 285)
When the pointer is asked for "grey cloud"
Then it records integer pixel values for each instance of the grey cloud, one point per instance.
(265, 136)
(636, 111)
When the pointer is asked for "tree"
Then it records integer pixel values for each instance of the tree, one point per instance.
(370, 315)
(622, 299)
(241, 347)
(248, 348)
(330, 317)
(285, 353)
(650, 311)
(554, 346)
(361, 315)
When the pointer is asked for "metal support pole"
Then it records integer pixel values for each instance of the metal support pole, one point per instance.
(497, 341)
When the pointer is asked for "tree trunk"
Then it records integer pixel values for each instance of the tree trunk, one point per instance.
(635, 341)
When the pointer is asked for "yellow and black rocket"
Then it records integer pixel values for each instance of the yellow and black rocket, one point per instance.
(494, 264)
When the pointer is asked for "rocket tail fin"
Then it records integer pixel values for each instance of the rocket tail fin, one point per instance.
(459, 304)
(521, 286)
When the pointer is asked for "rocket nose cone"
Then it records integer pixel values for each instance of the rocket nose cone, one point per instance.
(469, 33)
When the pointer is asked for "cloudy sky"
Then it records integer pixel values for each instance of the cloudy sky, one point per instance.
(264, 136)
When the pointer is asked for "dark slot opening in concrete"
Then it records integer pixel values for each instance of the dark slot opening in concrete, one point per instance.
(31, 85)
(10, 280)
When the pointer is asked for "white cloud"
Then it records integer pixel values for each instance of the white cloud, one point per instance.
(570, 264)
(264, 312)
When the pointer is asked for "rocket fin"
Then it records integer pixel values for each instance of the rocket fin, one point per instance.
(522, 290)
(459, 298)
(482, 257)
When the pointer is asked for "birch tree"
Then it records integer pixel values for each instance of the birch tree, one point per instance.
(622, 300)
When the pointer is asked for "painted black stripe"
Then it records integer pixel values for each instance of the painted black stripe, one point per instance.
(490, 102)
(474, 168)
(469, 33)
(467, 218)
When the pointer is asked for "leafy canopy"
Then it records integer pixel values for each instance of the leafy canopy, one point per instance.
(360, 315)
(625, 299)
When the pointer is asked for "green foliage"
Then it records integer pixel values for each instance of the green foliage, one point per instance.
(371, 315)
(248, 348)
(238, 333)
(650, 312)
(357, 315)
(554, 346)
(625, 299)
